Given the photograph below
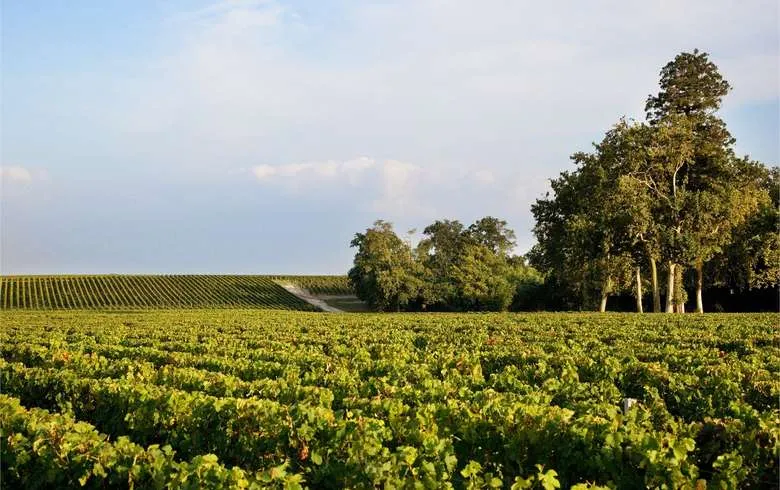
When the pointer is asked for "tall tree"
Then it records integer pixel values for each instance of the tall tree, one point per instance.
(670, 191)
(713, 199)
(669, 149)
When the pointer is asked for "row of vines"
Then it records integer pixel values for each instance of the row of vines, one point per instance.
(159, 291)
(237, 399)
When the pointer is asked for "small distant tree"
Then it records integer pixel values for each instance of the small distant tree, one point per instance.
(385, 273)
(440, 249)
(482, 280)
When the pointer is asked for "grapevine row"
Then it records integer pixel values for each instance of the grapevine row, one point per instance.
(131, 292)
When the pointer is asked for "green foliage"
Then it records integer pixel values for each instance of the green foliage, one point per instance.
(482, 280)
(752, 259)
(530, 293)
(251, 399)
(493, 234)
(585, 241)
(41, 450)
(690, 85)
(385, 273)
(452, 268)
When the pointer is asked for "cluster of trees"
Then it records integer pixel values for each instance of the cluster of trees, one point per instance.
(452, 268)
(665, 195)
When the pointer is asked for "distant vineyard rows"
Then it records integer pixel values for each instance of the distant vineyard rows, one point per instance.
(160, 291)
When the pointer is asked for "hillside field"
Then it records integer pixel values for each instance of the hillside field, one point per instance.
(252, 398)
(115, 291)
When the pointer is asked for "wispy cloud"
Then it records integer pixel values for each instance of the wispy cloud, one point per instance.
(389, 186)
(349, 171)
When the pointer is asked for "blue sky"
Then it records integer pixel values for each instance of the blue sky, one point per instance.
(259, 136)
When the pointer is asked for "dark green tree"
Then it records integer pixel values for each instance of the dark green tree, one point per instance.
(482, 280)
(582, 229)
(385, 273)
(441, 247)
(468, 268)
(752, 257)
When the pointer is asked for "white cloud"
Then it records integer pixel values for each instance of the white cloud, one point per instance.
(235, 14)
(349, 171)
(22, 175)
(398, 177)
(389, 187)
(401, 186)
(15, 174)
(263, 172)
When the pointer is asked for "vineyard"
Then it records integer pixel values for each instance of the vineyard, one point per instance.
(237, 399)
(161, 291)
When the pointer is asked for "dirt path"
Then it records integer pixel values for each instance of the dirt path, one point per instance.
(309, 298)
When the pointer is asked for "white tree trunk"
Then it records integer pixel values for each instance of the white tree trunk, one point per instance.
(639, 290)
(656, 291)
(699, 283)
(670, 289)
(605, 294)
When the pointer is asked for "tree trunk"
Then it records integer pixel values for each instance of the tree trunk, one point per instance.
(656, 292)
(679, 290)
(605, 294)
(699, 282)
(639, 290)
(670, 289)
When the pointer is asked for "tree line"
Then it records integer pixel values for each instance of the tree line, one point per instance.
(452, 268)
(668, 195)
